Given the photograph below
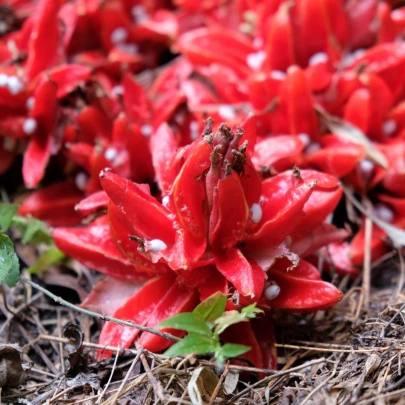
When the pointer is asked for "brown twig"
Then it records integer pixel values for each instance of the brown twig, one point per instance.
(97, 315)
(218, 386)
(156, 385)
(109, 378)
(124, 381)
(368, 233)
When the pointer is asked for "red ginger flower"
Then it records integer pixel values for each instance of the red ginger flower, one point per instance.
(219, 227)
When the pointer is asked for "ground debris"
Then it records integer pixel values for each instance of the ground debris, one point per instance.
(350, 354)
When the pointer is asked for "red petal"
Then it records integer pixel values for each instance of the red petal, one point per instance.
(378, 246)
(110, 293)
(129, 136)
(324, 198)
(251, 183)
(229, 227)
(248, 278)
(138, 309)
(163, 146)
(395, 175)
(54, 204)
(214, 283)
(250, 131)
(264, 331)
(93, 247)
(38, 152)
(6, 156)
(68, 77)
(336, 157)
(300, 103)
(206, 45)
(136, 103)
(188, 194)
(309, 240)
(242, 333)
(120, 230)
(175, 301)
(279, 152)
(93, 204)
(80, 153)
(93, 124)
(283, 200)
(43, 48)
(301, 288)
(358, 109)
(148, 218)
(338, 259)
(279, 43)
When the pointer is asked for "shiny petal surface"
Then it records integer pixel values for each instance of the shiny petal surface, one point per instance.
(301, 288)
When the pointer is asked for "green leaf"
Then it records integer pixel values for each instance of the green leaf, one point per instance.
(33, 230)
(233, 350)
(211, 308)
(227, 319)
(193, 344)
(9, 265)
(46, 259)
(187, 321)
(251, 311)
(7, 212)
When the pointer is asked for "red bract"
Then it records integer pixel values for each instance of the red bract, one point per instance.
(209, 246)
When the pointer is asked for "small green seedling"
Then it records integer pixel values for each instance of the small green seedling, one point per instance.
(204, 326)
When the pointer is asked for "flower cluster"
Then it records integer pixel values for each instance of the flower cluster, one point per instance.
(311, 93)
(218, 228)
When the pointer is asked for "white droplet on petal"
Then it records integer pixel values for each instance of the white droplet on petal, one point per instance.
(156, 245)
(319, 57)
(130, 49)
(226, 112)
(117, 90)
(120, 34)
(81, 180)
(3, 27)
(139, 13)
(29, 126)
(366, 168)
(305, 138)
(110, 154)
(329, 218)
(146, 130)
(277, 75)
(312, 148)
(165, 200)
(14, 84)
(30, 103)
(383, 212)
(271, 291)
(257, 43)
(3, 80)
(255, 60)
(9, 143)
(257, 213)
(389, 127)
(193, 130)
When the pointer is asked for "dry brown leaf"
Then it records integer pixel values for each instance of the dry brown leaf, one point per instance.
(11, 370)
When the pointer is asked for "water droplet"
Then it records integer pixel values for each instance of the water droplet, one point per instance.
(29, 126)
(319, 57)
(272, 290)
(120, 34)
(110, 154)
(156, 245)
(257, 213)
